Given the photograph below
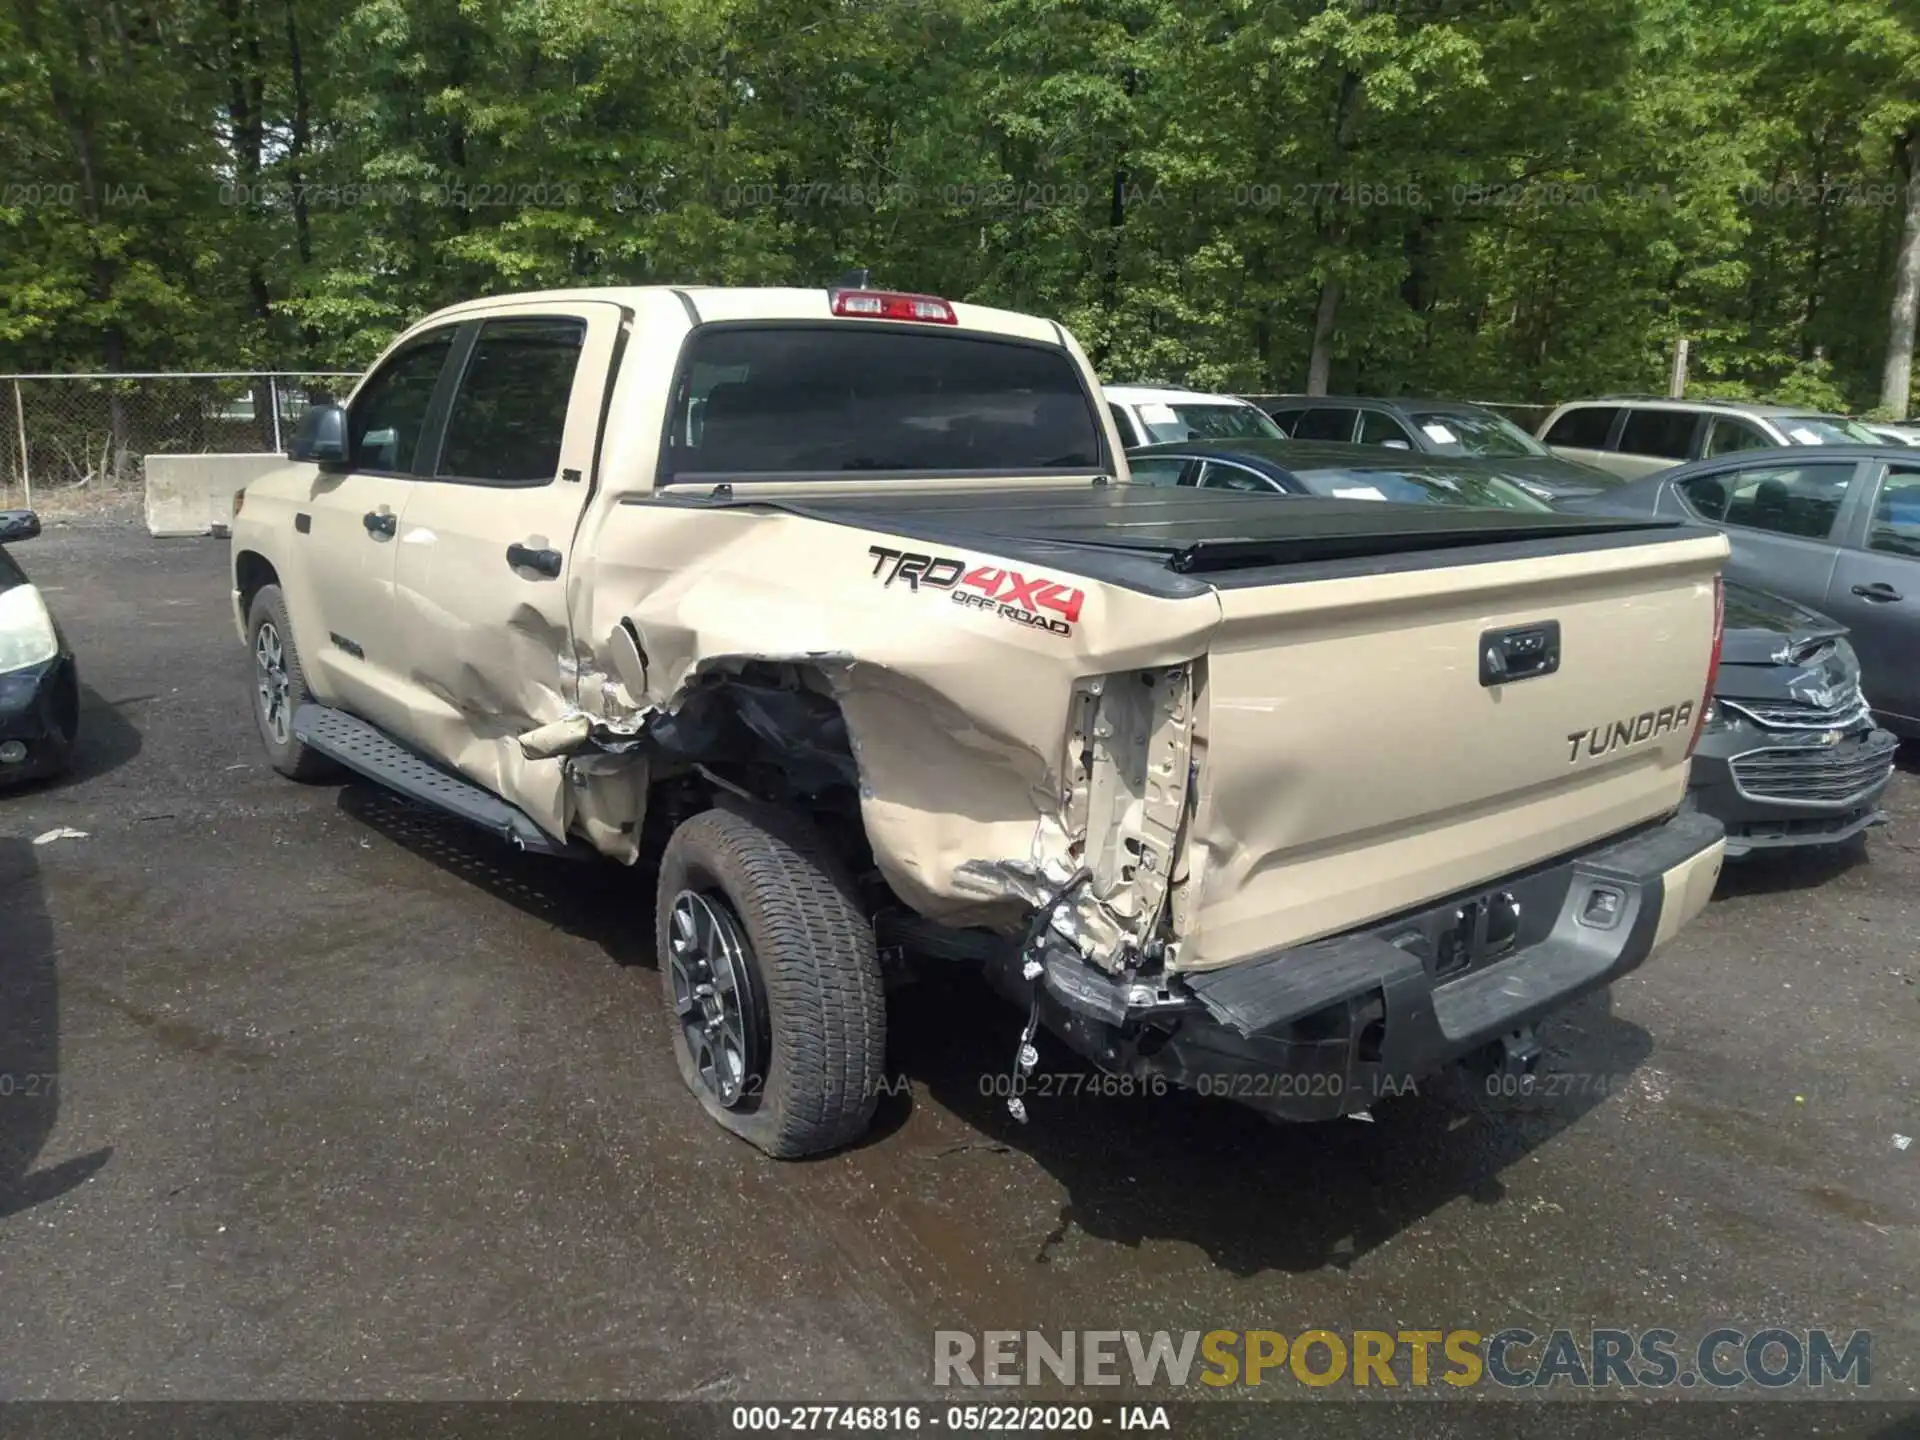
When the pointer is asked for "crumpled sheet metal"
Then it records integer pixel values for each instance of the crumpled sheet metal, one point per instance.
(957, 719)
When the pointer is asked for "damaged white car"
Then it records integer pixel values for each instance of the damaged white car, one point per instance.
(835, 609)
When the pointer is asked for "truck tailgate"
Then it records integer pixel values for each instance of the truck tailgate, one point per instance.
(1355, 765)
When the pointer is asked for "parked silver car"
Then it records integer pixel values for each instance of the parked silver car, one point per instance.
(1633, 435)
(1837, 529)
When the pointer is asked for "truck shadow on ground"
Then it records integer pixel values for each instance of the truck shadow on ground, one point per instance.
(30, 1078)
(605, 904)
(1253, 1194)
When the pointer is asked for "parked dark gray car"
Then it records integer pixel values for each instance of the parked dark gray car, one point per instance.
(1835, 527)
(1449, 429)
(1790, 754)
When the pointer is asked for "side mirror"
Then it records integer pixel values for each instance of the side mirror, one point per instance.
(1396, 445)
(18, 525)
(322, 437)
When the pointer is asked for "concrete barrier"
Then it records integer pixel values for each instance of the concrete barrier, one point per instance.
(190, 494)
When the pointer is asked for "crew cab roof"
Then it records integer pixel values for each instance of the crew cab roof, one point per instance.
(710, 304)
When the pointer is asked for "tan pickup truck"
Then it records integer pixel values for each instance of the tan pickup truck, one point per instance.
(835, 608)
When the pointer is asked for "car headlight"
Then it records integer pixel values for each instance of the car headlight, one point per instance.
(26, 629)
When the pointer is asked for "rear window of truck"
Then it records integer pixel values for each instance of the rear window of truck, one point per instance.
(822, 401)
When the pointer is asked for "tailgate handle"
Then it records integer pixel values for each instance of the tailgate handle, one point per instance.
(1519, 653)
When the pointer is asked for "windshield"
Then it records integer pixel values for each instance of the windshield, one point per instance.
(1454, 434)
(1207, 422)
(1824, 430)
(804, 401)
(1421, 488)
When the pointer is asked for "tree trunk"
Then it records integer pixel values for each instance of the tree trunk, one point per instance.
(1320, 359)
(298, 141)
(1896, 381)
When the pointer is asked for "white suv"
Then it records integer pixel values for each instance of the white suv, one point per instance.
(1153, 414)
(1634, 436)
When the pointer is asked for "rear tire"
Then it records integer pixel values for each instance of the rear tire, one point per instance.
(787, 1045)
(280, 688)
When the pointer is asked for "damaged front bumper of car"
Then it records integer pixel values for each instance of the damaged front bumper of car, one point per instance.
(1778, 780)
(1324, 1029)
(39, 712)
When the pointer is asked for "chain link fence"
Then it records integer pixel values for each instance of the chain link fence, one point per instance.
(93, 431)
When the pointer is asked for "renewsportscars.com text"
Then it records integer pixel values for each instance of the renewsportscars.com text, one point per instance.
(1515, 1357)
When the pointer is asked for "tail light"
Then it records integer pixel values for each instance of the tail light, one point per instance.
(893, 305)
(1713, 662)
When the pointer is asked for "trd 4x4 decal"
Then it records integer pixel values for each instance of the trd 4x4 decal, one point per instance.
(1008, 593)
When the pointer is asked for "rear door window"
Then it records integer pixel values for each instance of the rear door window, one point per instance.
(1325, 422)
(1585, 427)
(510, 414)
(836, 401)
(1798, 500)
(1667, 434)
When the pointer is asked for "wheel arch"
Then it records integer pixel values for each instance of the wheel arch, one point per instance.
(252, 573)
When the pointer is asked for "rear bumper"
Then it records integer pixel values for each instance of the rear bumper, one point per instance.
(1325, 1029)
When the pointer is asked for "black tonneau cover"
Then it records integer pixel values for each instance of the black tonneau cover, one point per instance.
(1126, 533)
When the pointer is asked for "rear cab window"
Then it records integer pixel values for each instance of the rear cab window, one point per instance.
(1585, 427)
(848, 399)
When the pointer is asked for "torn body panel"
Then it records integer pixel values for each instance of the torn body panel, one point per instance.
(981, 784)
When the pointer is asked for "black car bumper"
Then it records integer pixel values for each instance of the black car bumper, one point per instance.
(1325, 1029)
(1778, 789)
(40, 715)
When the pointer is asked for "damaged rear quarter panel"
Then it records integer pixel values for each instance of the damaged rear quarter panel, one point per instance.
(958, 717)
